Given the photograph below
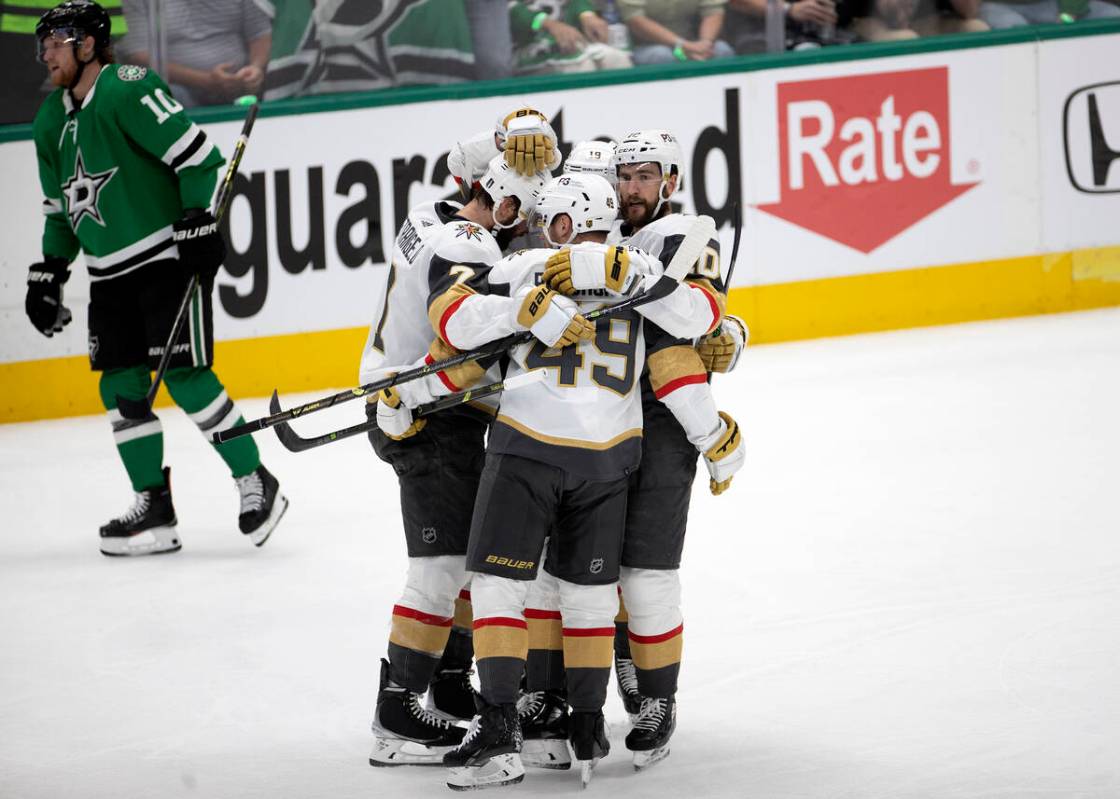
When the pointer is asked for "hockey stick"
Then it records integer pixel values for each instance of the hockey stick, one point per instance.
(295, 443)
(140, 409)
(686, 255)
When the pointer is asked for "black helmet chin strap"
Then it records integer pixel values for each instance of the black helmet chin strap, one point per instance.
(78, 75)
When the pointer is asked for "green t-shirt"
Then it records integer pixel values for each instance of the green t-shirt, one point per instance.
(117, 172)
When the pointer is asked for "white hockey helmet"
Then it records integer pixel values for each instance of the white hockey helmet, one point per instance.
(651, 146)
(501, 181)
(594, 157)
(588, 200)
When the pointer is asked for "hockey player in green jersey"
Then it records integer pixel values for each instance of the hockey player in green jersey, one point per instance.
(127, 179)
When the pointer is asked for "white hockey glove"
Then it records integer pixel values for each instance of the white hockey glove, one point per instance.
(582, 269)
(553, 318)
(721, 349)
(530, 142)
(725, 456)
(394, 417)
(468, 160)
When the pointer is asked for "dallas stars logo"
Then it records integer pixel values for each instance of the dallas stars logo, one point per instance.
(83, 193)
(469, 231)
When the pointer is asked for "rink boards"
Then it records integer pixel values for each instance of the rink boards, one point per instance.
(911, 188)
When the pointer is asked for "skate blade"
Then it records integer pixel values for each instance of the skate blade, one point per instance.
(643, 760)
(586, 769)
(498, 770)
(546, 753)
(261, 534)
(156, 541)
(399, 752)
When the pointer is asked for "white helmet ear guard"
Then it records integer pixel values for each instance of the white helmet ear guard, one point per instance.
(501, 181)
(588, 200)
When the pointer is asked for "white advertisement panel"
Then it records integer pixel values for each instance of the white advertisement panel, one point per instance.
(891, 164)
(1079, 134)
(846, 168)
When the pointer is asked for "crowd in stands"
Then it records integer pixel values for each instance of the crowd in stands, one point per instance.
(214, 51)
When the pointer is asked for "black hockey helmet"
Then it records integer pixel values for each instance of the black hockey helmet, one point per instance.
(75, 19)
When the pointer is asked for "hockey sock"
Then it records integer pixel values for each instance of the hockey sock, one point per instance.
(544, 668)
(459, 652)
(139, 441)
(198, 391)
(587, 612)
(621, 630)
(657, 661)
(501, 637)
(416, 643)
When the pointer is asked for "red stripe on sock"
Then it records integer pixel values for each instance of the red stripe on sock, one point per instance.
(500, 621)
(588, 632)
(534, 613)
(465, 594)
(420, 616)
(656, 639)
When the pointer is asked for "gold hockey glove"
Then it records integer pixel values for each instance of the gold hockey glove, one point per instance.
(725, 457)
(552, 318)
(394, 417)
(720, 351)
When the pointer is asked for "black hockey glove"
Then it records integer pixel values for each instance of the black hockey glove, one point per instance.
(44, 295)
(201, 247)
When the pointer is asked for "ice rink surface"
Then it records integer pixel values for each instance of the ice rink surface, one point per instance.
(912, 590)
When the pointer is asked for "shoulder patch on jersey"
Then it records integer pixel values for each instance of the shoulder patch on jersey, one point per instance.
(131, 72)
(468, 230)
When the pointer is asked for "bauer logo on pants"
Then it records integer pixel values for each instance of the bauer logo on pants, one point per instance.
(863, 158)
(1091, 133)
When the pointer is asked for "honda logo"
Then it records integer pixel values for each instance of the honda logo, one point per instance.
(1091, 130)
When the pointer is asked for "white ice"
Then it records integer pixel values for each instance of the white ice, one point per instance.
(912, 590)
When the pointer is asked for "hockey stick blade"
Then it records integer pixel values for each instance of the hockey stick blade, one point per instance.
(296, 443)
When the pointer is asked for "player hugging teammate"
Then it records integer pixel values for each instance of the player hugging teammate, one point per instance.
(583, 479)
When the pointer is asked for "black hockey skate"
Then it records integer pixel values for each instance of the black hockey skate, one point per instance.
(451, 695)
(262, 504)
(147, 528)
(649, 740)
(544, 726)
(404, 732)
(488, 754)
(588, 736)
(626, 678)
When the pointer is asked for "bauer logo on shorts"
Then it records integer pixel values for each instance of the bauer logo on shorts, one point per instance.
(428, 535)
(131, 72)
(511, 563)
(596, 565)
(94, 346)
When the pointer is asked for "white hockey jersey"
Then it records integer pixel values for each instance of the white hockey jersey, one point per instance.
(433, 251)
(586, 415)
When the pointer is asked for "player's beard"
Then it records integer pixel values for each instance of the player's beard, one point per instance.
(64, 75)
(637, 211)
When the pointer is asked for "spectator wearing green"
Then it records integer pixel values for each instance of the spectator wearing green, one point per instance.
(551, 37)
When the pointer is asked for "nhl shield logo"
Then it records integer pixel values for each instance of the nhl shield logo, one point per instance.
(428, 535)
(596, 565)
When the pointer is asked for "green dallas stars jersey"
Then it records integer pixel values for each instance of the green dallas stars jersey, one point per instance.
(119, 171)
